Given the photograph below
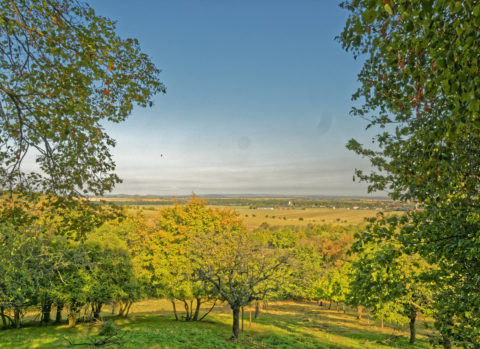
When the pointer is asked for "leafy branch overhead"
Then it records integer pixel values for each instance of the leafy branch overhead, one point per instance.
(64, 72)
(420, 85)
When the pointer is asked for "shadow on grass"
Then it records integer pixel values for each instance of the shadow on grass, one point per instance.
(289, 325)
(331, 329)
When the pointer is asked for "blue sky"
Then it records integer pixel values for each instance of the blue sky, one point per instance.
(258, 95)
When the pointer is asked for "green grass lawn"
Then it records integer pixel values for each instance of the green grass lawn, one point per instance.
(282, 325)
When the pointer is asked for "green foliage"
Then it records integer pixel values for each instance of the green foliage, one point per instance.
(395, 285)
(419, 84)
(390, 283)
(64, 74)
(240, 265)
(26, 269)
(334, 284)
(167, 252)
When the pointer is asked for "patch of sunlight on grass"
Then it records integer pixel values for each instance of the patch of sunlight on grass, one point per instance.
(282, 325)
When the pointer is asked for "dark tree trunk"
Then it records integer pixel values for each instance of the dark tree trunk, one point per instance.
(97, 308)
(174, 309)
(242, 318)
(4, 318)
(197, 309)
(128, 308)
(124, 308)
(359, 312)
(330, 306)
(208, 312)
(236, 322)
(413, 317)
(46, 309)
(16, 317)
(120, 308)
(58, 316)
(257, 309)
(187, 311)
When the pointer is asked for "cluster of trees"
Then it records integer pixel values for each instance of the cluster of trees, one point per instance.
(193, 254)
(42, 269)
(189, 253)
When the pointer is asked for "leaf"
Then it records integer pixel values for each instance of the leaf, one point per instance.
(388, 8)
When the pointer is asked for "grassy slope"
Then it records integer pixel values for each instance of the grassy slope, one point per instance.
(282, 325)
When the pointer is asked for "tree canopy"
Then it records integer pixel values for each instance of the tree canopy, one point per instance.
(420, 85)
(64, 72)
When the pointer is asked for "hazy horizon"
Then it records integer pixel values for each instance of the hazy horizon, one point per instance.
(258, 96)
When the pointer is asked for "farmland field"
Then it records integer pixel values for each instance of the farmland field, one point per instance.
(253, 218)
(280, 325)
(302, 217)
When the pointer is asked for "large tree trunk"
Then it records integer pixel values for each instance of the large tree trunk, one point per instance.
(197, 309)
(257, 309)
(58, 316)
(359, 312)
(236, 322)
(413, 317)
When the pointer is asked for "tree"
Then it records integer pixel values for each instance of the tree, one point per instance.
(64, 72)
(71, 285)
(393, 284)
(240, 265)
(171, 245)
(419, 84)
(117, 268)
(110, 278)
(26, 271)
(334, 283)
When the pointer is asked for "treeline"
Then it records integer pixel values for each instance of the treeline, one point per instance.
(273, 202)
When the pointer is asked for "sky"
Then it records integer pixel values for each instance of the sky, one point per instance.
(258, 99)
